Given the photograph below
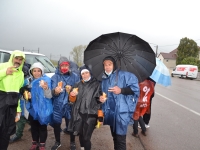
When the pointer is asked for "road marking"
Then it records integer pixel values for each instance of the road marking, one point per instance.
(179, 104)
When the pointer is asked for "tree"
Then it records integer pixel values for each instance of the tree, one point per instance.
(77, 54)
(192, 61)
(187, 48)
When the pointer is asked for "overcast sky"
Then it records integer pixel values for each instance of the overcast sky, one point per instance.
(57, 26)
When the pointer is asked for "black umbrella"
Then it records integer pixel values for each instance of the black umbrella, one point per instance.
(131, 53)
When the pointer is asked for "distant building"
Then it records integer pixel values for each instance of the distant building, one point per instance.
(169, 59)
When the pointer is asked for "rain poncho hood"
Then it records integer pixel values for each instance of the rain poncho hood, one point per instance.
(36, 65)
(11, 83)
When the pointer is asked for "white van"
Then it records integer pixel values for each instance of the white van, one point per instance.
(49, 68)
(186, 71)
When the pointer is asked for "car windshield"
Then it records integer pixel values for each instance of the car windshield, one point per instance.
(48, 66)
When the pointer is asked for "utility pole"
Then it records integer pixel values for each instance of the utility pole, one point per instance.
(156, 50)
(38, 50)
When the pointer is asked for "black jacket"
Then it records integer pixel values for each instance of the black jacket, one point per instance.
(86, 104)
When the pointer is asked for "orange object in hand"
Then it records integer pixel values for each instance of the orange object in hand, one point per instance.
(72, 98)
(60, 84)
(100, 113)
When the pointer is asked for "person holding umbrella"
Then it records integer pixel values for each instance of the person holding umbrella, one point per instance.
(122, 90)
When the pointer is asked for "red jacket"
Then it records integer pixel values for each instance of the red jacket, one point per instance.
(143, 104)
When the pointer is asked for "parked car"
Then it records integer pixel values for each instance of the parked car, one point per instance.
(185, 71)
(31, 58)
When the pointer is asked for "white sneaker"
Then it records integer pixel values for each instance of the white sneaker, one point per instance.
(139, 126)
(147, 126)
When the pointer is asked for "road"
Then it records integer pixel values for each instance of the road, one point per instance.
(175, 117)
(174, 123)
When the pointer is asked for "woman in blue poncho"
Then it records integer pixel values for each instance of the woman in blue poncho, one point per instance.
(39, 105)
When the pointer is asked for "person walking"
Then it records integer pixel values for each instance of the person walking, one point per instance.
(39, 105)
(122, 92)
(11, 80)
(62, 78)
(143, 106)
(147, 116)
(85, 99)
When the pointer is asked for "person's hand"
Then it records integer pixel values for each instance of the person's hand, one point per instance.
(102, 99)
(17, 117)
(115, 90)
(74, 92)
(44, 84)
(10, 70)
(58, 90)
(29, 95)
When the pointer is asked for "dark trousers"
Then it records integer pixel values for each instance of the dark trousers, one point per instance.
(88, 126)
(38, 131)
(20, 126)
(147, 117)
(7, 125)
(119, 140)
(135, 125)
(85, 143)
(56, 127)
(4, 139)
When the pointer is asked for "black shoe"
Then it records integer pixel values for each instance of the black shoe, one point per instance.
(65, 131)
(144, 133)
(56, 146)
(72, 146)
(135, 135)
(14, 138)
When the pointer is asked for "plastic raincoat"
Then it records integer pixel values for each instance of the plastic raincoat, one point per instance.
(9, 92)
(40, 107)
(118, 109)
(61, 108)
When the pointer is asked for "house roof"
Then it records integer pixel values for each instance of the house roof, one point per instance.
(170, 55)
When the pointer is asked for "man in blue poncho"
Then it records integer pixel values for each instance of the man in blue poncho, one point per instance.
(122, 92)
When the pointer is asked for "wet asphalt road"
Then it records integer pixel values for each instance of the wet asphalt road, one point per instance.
(174, 125)
(175, 122)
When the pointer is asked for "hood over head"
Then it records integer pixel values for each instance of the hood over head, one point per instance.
(14, 54)
(62, 61)
(85, 68)
(36, 65)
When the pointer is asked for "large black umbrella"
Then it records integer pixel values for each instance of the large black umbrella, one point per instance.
(131, 53)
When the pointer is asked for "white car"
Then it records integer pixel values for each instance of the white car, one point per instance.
(185, 71)
(49, 68)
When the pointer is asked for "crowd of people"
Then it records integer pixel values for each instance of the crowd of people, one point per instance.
(28, 95)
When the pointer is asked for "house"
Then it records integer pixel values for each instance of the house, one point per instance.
(169, 59)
